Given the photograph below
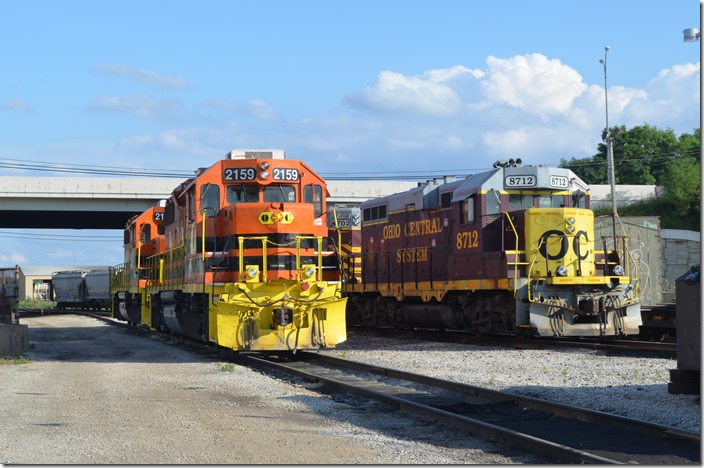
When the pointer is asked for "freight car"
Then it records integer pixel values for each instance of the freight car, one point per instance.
(81, 289)
(237, 257)
(510, 250)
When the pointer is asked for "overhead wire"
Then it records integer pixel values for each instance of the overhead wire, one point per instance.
(420, 175)
(58, 237)
(45, 166)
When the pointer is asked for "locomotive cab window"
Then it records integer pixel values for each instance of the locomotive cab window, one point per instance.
(209, 200)
(169, 213)
(279, 193)
(374, 213)
(445, 200)
(493, 202)
(551, 201)
(191, 207)
(242, 194)
(579, 200)
(146, 234)
(314, 194)
(520, 201)
(467, 210)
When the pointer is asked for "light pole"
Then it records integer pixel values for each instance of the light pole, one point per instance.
(691, 34)
(609, 140)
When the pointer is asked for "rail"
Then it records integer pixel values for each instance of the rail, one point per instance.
(575, 435)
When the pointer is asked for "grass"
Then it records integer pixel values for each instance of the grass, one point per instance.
(36, 304)
(14, 360)
(227, 367)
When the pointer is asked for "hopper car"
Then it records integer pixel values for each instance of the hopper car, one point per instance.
(85, 289)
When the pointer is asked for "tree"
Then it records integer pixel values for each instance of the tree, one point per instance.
(641, 156)
(591, 170)
(682, 182)
(690, 144)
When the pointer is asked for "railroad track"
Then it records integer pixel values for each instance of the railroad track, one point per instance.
(565, 433)
(553, 430)
(652, 348)
(655, 348)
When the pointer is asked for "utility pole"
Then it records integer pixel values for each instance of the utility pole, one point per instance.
(608, 138)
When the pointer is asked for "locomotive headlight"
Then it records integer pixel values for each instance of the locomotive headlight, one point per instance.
(252, 272)
(308, 272)
(561, 270)
(619, 271)
(264, 175)
(570, 229)
(570, 220)
(264, 165)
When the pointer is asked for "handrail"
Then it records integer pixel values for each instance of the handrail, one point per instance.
(264, 240)
(515, 263)
(320, 256)
(530, 269)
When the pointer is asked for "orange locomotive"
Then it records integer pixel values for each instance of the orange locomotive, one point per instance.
(144, 238)
(243, 260)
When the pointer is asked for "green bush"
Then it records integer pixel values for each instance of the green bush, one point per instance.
(36, 304)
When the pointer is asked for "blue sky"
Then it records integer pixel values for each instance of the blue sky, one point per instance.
(349, 87)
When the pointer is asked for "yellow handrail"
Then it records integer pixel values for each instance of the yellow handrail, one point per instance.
(515, 263)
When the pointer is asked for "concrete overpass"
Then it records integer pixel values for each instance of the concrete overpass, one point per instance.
(108, 202)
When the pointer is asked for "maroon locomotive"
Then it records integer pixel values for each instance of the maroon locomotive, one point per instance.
(510, 250)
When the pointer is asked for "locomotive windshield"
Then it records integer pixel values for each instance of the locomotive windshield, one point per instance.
(279, 193)
(242, 194)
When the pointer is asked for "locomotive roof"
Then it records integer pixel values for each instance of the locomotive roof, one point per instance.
(427, 195)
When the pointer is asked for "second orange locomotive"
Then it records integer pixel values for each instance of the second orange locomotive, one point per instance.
(238, 256)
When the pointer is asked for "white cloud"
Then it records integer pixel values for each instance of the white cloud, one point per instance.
(18, 105)
(528, 106)
(15, 258)
(429, 94)
(255, 108)
(669, 100)
(207, 143)
(143, 107)
(532, 83)
(142, 76)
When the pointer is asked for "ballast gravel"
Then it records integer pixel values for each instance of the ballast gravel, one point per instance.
(96, 393)
(634, 387)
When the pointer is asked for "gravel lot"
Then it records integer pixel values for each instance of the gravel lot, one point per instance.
(627, 386)
(94, 393)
